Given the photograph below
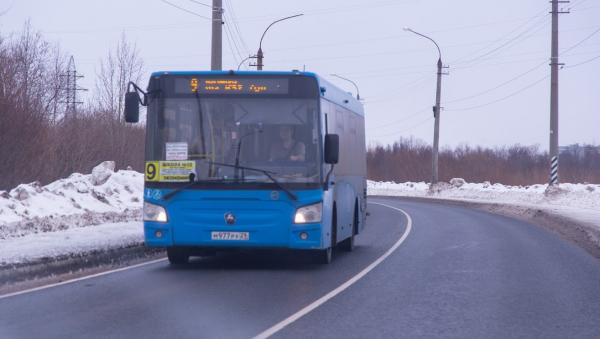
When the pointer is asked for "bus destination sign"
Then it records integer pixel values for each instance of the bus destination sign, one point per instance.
(235, 86)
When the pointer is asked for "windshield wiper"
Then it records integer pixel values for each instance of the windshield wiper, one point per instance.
(269, 175)
(238, 151)
(177, 190)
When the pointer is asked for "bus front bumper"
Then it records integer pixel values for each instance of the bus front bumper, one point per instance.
(294, 236)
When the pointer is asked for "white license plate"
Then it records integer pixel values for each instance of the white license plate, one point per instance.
(239, 236)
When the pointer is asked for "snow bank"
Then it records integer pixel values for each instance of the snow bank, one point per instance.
(74, 241)
(79, 200)
(580, 202)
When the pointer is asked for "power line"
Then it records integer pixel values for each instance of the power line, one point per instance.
(526, 72)
(395, 122)
(231, 45)
(578, 3)
(236, 40)
(201, 4)
(234, 20)
(537, 15)
(520, 37)
(4, 11)
(583, 62)
(185, 10)
(498, 86)
(330, 10)
(411, 83)
(501, 99)
(582, 41)
(405, 129)
(232, 41)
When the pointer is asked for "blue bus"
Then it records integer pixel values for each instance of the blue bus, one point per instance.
(250, 160)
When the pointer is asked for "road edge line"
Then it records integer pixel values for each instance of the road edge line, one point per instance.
(309, 308)
(39, 288)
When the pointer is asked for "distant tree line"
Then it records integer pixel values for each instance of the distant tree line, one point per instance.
(38, 140)
(410, 160)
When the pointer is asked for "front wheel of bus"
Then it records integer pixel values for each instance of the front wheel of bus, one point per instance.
(325, 256)
(348, 243)
(177, 256)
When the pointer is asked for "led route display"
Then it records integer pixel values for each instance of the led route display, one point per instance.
(232, 86)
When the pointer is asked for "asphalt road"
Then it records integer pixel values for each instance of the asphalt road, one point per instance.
(458, 273)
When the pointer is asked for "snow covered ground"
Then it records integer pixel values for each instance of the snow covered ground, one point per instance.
(70, 242)
(580, 202)
(79, 200)
(81, 213)
(102, 210)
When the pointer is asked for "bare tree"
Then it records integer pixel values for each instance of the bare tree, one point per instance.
(27, 73)
(122, 65)
(35, 143)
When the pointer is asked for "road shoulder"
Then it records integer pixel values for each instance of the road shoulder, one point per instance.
(50, 270)
(577, 232)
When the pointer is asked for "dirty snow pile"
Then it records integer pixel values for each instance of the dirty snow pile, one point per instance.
(71, 242)
(578, 201)
(32, 215)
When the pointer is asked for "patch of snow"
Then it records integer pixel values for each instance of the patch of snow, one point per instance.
(70, 242)
(79, 200)
(102, 172)
(457, 182)
(579, 202)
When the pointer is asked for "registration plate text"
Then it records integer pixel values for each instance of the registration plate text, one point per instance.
(239, 236)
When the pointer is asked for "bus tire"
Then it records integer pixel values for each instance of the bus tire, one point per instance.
(177, 256)
(348, 243)
(325, 256)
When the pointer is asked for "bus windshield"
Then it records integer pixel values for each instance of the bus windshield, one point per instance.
(279, 135)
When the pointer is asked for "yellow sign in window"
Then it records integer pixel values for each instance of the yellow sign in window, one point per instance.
(169, 171)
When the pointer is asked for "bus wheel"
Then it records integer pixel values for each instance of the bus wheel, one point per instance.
(348, 244)
(324, 256)
(177, 256)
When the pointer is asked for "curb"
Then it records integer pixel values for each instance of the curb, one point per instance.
(56, 268)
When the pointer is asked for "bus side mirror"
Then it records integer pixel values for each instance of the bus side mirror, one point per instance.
(132, 107)
(332, 148)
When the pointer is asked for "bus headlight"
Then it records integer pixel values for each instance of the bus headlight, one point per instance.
(154, 213)
(308, 214)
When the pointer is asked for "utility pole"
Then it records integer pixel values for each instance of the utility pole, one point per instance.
(436, 110)
(554, 64)
(436, 129)
(216, 56)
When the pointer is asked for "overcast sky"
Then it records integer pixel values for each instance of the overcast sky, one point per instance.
(496, 92)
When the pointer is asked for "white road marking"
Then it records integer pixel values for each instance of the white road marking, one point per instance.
(282, 324)
(81, 278)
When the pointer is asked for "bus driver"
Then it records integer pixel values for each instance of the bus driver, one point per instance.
(287, 148)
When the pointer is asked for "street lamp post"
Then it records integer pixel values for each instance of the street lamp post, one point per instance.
(350, 81)
(242, 62)
(436, 110)
(259, 54)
